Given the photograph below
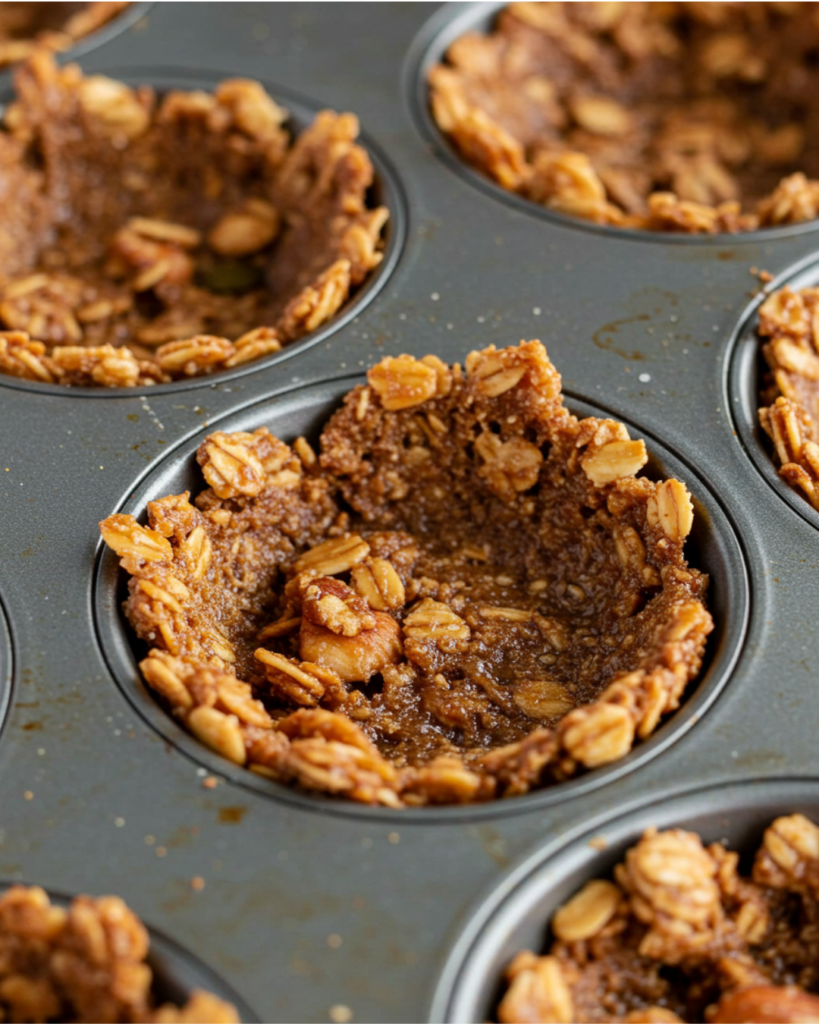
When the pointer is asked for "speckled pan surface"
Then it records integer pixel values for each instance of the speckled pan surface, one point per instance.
(306, 912)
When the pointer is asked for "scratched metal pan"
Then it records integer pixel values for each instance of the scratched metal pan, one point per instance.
(314, 911)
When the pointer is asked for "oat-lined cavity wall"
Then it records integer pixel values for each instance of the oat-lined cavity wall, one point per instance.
(480, 690)
(773, 372)
(516, 915)
(667, 118)
(172, 235)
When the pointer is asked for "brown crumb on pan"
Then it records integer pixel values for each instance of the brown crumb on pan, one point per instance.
(84, 962)
(680, 935)
(161, 238)
(677, 117)
(463, 592)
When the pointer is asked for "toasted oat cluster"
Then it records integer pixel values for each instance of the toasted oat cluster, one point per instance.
(790, 415)
(684, 117)
(155, 239)
(85, 962)
(681, 935)
(467, 593)
(57, 26)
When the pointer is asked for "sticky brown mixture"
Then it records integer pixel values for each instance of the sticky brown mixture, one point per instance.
(159, 238)
(57, 26)
(466, 594)
(682, 935)
(685, 117)
(789, 321)
(84, 962)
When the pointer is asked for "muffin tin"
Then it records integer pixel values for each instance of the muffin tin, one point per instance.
(312, 910)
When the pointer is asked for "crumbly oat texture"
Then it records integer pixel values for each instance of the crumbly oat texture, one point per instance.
(57, 26)
(155, 239)
(466, 594)
(684, 117)
(681, 935)
(84, 962)
(789, 321)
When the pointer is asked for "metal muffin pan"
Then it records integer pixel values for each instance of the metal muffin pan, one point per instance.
(516, 914)
(311, 915)
(713, 547)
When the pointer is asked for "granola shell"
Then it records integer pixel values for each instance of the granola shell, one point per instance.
(469, 593)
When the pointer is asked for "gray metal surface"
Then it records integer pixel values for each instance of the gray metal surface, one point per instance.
(302, 909)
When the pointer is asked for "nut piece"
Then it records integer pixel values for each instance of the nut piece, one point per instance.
(614, 461)
(354, 659)
(332, 604)
(339, 554)
(767, 1004)
(379, 584)
(588, 912)
(402, 382)
(537, 991)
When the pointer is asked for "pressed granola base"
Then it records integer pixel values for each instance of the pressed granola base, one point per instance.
(57, 26)
(84, 962)
(154, 239)
(686, 117)
(466, 594)
(789, 320)
(681, 935)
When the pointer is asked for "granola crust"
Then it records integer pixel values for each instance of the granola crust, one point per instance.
(678, 117)
(467, 594)
(156, 239)
(680, 935)
(57, 26)
(789, 321)
(84, 962)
